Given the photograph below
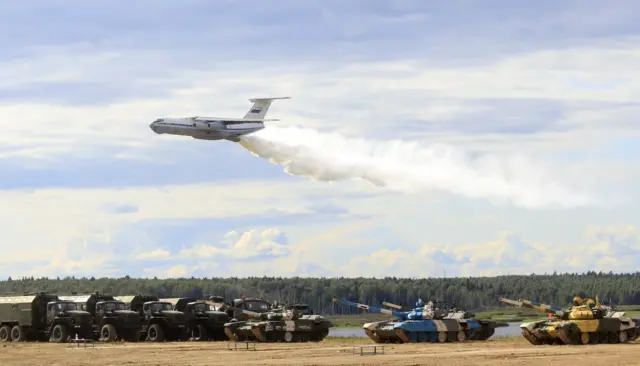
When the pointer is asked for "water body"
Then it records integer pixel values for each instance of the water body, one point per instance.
(512, 330)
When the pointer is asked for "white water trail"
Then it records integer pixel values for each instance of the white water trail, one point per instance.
(411, 167)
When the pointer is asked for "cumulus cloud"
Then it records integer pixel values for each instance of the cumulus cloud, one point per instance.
(254, 243)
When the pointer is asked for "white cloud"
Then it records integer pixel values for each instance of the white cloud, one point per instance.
(250, 244)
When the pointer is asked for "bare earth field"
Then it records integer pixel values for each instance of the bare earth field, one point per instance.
(330, 352)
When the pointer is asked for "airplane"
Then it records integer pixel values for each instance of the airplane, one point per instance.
(218, 128)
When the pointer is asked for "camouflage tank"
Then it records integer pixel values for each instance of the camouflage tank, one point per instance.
(279, 323)
(586, 322)
(425, 323)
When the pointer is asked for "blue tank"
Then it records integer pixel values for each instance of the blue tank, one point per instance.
(425, 323)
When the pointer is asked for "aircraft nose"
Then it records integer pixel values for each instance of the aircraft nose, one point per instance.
(153, 126)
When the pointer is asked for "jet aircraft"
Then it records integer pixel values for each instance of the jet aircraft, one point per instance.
(217, 128)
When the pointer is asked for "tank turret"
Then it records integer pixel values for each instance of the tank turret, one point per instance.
(587, 321)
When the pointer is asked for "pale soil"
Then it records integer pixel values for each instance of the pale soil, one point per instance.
(329, 352)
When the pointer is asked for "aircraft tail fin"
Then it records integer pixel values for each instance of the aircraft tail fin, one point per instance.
(260, 107)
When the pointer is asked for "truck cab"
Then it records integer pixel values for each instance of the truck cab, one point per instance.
(203, 324)
(255, 305)
(114, 321)
(161, 322)
(64, 319)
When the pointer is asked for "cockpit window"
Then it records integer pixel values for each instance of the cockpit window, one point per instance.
(160, 306)
(256, 305)
(200, 307)
(64, 306)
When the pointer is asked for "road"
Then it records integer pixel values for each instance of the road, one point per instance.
(330, 352)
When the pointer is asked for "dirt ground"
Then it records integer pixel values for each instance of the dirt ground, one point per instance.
(329, 352)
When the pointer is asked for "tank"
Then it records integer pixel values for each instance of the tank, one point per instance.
(295, 323)
(586, 322)
(425, 323)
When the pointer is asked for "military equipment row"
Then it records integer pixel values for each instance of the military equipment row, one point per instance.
(141, 317)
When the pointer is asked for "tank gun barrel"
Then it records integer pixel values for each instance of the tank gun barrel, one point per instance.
(388, 304)
(369, 308)
(535, 306)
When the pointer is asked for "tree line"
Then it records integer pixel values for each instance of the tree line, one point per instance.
(472, 293)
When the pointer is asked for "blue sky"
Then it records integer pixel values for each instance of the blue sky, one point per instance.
(88, 189)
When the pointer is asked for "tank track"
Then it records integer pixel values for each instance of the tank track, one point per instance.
(481, 334)
(567, 336)
(260, 335)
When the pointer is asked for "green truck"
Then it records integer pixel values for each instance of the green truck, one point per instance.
(111, 320)
(159, 321)
(203, 324)
(42, 316)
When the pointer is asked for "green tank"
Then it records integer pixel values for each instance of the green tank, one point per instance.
(294, 323)
(586, 322)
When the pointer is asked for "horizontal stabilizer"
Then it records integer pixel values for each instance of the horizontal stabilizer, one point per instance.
(266, 99)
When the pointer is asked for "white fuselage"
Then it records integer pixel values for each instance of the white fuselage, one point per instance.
(207, 128)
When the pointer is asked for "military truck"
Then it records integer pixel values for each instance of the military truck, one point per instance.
(111, 320)
(159, 321)
(251, 304)
(302, 309)
(203, 324)
(40, 316)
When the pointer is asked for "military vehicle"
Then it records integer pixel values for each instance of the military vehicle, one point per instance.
(111, 320)
(425, 323)
(41, 316)
(276, 324)
(586, 322)
(159, 321)
(203, 324)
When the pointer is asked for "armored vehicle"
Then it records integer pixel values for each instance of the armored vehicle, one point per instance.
(41, 316)
(159, 321)
(111, 320)
(203, 324)
(280, 323)
(425, 323)
(586, 322)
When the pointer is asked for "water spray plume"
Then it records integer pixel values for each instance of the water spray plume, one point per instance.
(411, 167)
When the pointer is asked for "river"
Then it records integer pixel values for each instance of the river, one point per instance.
(512, 330)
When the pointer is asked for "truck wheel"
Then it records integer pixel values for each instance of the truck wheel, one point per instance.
(108, 333)
(59, 334)
(17, 334)
(155, 333)
(5, 333)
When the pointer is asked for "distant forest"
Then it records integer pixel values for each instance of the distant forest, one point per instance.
(472, 293)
